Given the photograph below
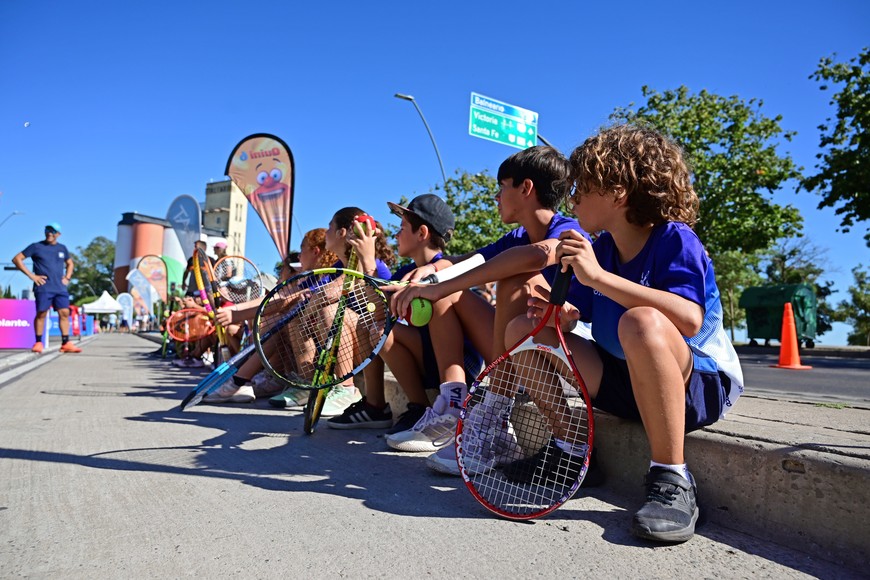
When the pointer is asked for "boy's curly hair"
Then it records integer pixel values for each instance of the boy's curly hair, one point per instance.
(641, 163)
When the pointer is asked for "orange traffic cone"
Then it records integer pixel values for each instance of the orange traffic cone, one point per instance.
(789, 357)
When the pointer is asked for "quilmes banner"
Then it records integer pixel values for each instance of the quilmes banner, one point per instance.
(126, 302)
(154, 269)
(185, 216)
(261, 165)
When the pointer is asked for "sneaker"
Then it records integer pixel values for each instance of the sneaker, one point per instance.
(550, 464)
(488, 441)
(70, 347)
(361, 415)
(290, 398)
(265, 385)
(671, 509)
(195, 363)
(338, 399)
(182, 362)
(444, 461)
(228, 392)
(409, 418)
(430, 433)
(38, 347)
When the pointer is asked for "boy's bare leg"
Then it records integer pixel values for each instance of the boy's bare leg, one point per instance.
(660, 363)
(460, 314)
(402, 352)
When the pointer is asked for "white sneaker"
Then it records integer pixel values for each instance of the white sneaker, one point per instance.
(430, 433)
(444, 461)
(338, 399)
(228, 392)
(488, 440)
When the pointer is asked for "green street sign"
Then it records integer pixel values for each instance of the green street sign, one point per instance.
(503, 123)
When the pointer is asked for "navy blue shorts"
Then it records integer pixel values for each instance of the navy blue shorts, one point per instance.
(705, 394)
(48, 298)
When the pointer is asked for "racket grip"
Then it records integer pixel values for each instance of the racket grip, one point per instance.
(561, 283)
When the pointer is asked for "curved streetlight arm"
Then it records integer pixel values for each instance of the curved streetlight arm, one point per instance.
(428, 130)
(11, 215)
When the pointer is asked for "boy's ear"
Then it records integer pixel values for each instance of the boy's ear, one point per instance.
(423, 232)
(620, 197)
(528, 186)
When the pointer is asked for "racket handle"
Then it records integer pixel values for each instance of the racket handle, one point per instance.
(561, 282)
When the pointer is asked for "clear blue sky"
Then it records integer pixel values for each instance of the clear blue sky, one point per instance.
(132, 104)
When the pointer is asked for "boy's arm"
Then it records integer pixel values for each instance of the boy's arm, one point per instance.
(436, 266)
(511, 262)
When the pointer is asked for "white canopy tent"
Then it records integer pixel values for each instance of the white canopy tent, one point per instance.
(104, 305)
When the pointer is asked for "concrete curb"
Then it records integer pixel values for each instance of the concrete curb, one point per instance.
(13, 366)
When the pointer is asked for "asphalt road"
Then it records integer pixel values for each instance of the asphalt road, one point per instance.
(831, 380)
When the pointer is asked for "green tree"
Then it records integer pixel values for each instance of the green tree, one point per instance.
(799, 261)
(732, 149)
(843, 179)
(94, 268)
(735, 272)
(857, 311)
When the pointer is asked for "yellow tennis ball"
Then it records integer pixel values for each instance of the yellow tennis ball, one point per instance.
(421, 312)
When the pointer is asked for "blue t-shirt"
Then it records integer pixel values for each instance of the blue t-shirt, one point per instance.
(519, 237)
(48, 260)
(673, 260)
(400, 273)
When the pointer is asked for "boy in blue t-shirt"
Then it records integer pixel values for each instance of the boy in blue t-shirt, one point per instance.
(52, 272)
(660, 354)
(531, 188)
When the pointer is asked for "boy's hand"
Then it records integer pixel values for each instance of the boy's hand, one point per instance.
(537, 307)
(400, 302)
(575, 251)
(418, 274)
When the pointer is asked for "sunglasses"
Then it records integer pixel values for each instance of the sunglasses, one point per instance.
(51, 231)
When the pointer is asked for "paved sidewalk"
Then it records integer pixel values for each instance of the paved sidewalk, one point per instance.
(102, 476)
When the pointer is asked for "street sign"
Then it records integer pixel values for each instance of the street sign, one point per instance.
(503, 123)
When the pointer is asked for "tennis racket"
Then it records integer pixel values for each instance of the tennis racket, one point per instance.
(189, 325)
(524, 436)
(205, 283)
(238, 279)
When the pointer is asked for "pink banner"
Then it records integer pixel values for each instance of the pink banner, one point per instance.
(16, 323)
(261, 166)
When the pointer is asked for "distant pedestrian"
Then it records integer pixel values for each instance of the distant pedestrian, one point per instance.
(113, 322)
(52, 271)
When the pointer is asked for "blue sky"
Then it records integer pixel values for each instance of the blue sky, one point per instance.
(132, 104)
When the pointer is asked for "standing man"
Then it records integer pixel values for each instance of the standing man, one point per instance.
(52, 271)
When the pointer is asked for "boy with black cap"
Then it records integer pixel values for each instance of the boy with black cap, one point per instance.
(52, 271)
(427, 225)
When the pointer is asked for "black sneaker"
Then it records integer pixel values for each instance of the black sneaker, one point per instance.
(361, 415)
(550, 463)
(408, 419)
(671, 509)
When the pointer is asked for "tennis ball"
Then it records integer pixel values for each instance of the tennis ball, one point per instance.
(421, 312)
(367, 222)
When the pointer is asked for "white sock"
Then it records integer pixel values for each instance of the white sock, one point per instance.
(451, 398)
(679, 469)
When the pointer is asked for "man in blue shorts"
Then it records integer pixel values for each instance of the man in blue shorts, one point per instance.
(52, 271)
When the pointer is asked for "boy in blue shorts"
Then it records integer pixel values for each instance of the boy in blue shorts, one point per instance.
(531, 188)
(660, 354)
(52, 272)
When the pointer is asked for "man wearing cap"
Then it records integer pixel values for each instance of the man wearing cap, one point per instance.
(52, 271)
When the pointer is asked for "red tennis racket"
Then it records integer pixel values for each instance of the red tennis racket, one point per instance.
(524, 437)
(189, 324)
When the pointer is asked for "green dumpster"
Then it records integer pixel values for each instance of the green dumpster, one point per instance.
(764, 306)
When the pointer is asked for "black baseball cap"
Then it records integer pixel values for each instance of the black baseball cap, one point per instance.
(434, 212)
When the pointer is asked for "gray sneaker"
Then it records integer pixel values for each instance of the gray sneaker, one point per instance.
(671, 508)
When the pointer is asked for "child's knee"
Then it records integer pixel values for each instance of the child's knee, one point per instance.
(642, 326)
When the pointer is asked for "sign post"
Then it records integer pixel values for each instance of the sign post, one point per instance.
(503, 123)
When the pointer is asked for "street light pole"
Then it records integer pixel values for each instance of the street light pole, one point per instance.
(115, 288)
(431, 136)
(13, 214)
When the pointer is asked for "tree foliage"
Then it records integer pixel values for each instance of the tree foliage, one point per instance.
(732, 149)
(94, 268)
(799, 261)
(735, 272)
(856, 312)
(843, 179)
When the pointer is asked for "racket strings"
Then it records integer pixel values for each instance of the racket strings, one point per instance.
(238, 279)
(189, 325)
(304, 316)
(530, 418)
